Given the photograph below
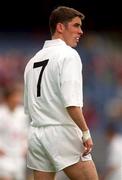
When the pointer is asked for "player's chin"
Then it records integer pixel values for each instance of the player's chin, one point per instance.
(74, 44)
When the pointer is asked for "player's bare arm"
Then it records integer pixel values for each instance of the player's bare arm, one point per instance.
(77, 116)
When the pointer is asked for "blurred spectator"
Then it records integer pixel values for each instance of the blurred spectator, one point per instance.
(11, 67)
(113, 110)
(13, 135)
(114, 153)
(116, 104)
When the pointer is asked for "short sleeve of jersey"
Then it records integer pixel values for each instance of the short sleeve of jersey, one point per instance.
(71, 80)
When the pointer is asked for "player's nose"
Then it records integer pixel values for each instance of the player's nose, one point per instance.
(80, 31)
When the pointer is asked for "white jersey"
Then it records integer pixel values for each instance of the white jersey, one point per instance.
(13, 142)
(13, 131)
(52, 82)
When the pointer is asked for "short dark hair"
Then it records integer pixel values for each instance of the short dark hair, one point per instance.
(63, 14)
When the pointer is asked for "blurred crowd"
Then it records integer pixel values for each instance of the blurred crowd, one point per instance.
(11, 68)
(101, 55)
(102, 59)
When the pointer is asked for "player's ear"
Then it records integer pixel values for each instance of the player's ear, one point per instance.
(60, 27)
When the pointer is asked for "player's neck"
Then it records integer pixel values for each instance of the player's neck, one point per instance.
(57, 36)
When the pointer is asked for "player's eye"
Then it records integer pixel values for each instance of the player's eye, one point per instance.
(77, 25)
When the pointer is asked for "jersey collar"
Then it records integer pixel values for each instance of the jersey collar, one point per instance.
(53, 42)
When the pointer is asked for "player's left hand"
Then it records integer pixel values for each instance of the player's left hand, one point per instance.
(88, 145)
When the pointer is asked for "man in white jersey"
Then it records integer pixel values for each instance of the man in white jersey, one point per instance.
(13, 135)
(59, 137)
(113, 169)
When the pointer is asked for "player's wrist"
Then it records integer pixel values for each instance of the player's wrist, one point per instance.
(86, 135)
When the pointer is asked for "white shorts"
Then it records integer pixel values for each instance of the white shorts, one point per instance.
(53, 148)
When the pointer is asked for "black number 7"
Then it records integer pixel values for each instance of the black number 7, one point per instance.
(36, 65)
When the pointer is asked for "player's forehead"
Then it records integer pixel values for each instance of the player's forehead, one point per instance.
(75, 20)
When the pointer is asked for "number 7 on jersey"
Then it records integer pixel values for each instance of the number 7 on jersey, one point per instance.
(37, 65)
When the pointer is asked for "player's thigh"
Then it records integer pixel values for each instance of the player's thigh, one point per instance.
(84, 170)
(40, 175)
